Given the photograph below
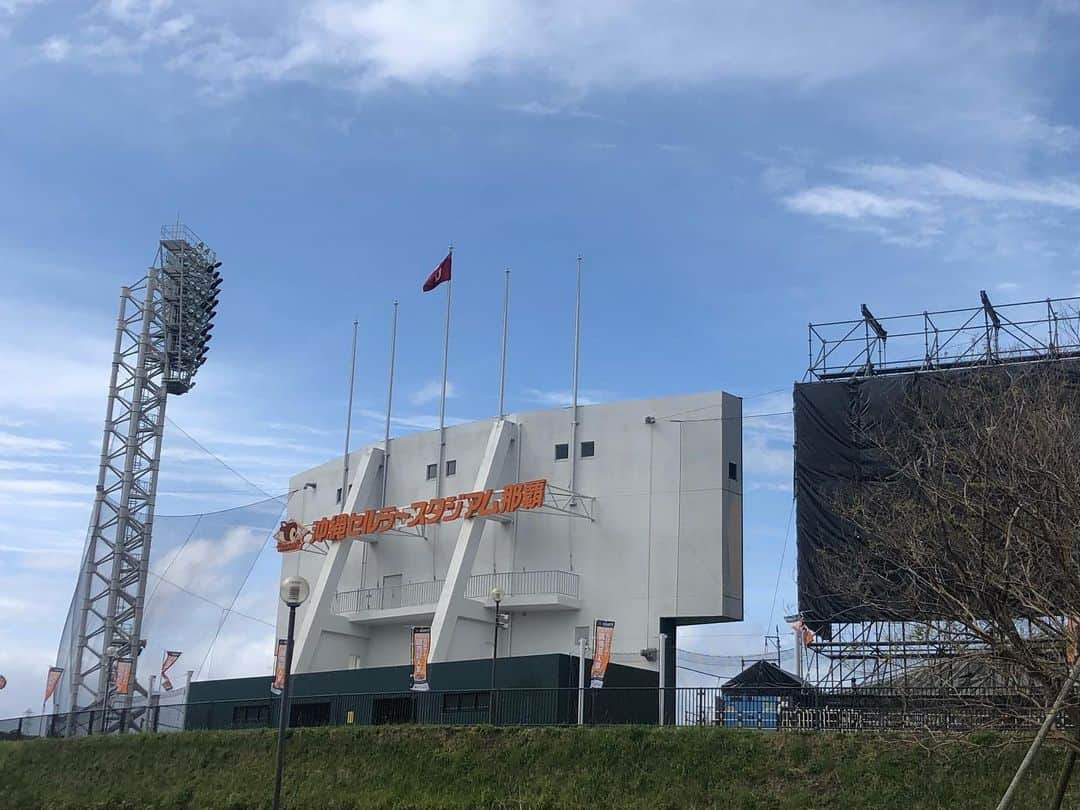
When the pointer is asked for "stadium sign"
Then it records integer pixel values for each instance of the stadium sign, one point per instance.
(293, 535)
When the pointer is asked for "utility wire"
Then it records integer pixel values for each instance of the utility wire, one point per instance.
(779, 571)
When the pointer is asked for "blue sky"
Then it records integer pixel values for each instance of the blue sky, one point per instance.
(729, 173)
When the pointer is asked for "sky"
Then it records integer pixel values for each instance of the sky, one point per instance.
(728, 171)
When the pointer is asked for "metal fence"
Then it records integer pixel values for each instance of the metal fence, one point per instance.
(779, 709)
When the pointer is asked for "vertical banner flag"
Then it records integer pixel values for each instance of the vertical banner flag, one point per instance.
(278, 686)
(601, 652)
(439, 274)
(171, 657)
(122, 676)
(421, 646)
(52, 681)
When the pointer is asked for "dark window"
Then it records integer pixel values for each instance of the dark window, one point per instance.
(465, 701)
(588, 449)
(451, 466)
(432, 471)
(251, 715)
(338, 499)
(309, 714)
(562, 451)
(733, 471)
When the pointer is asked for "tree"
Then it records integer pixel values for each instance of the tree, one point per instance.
(972, 527)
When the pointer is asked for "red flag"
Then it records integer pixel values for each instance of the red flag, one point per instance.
(439, 274)
(171, 657)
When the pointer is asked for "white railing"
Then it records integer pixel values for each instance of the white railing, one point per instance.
(416, 594)
(524, 583)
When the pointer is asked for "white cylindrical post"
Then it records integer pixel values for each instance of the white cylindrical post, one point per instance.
(661, 658)
(348, 420)
(502, 358)
(389, 403)
(581, 683)
(574, 386)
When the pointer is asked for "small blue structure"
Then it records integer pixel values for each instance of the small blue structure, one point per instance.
(757, 696)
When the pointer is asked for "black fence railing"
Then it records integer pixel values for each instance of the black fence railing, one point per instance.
(778, 709)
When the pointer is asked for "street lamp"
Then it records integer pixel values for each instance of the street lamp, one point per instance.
(294, 592)
(496, 596)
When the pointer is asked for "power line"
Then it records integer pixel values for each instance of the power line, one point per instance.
(780, 570)
(725, 418)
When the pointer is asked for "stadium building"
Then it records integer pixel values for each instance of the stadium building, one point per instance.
(632, 516)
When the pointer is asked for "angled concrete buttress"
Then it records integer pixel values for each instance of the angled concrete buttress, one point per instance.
(317, 619)
(452, 602)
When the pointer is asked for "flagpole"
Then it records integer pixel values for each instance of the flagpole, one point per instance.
(442, 397)
(502, 362)
(574, 386)
(389, 403)
(348, 419)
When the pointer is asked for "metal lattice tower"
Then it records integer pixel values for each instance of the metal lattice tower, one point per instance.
(162, 336)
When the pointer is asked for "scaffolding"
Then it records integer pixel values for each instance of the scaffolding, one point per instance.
(162, 336)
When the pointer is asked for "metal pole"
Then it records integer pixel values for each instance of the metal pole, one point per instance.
(389, 403)
(442, 414)
(502, 361)
(348, 419)
(495, 646)
(283, 715)
(661, 659)
(581, 683)
(1029, 758)
(574, 387)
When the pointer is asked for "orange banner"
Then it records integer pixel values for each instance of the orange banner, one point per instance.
(279, 667)
(122, 676)
(293, 535)
(605, 630)
(52, 680)
(421, 646)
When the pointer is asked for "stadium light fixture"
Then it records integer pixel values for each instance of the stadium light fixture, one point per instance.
(294, 592)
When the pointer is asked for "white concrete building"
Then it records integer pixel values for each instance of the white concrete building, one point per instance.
(642, 525)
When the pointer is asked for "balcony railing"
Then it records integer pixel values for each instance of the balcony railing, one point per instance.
(395, 596)
(524, 583)
(417, 594)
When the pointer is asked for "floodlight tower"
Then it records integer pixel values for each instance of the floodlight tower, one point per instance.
(162, 335)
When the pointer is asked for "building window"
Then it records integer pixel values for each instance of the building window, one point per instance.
(562, 452)
(733, 471)
(432, 471)
(451, 466)
(251, 715)
(588, 449)
(465, 701)
(338, 498)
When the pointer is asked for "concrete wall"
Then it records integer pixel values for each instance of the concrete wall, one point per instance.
(666, 539)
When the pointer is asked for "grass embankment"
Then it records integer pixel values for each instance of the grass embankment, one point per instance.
(520, 767)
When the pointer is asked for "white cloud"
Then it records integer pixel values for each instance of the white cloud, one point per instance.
(965, 213)
(55, 49)
(852, 203)
(431, 391)
(562, 398)
(27, 445)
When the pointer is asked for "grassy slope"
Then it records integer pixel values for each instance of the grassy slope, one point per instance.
(518, 767)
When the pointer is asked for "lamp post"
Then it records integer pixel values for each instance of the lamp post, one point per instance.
(496, 596)
(110, 657)
(294, 592)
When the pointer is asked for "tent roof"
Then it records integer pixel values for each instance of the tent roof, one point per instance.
(764, 676)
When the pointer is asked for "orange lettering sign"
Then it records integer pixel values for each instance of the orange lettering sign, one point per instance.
(293, 535)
